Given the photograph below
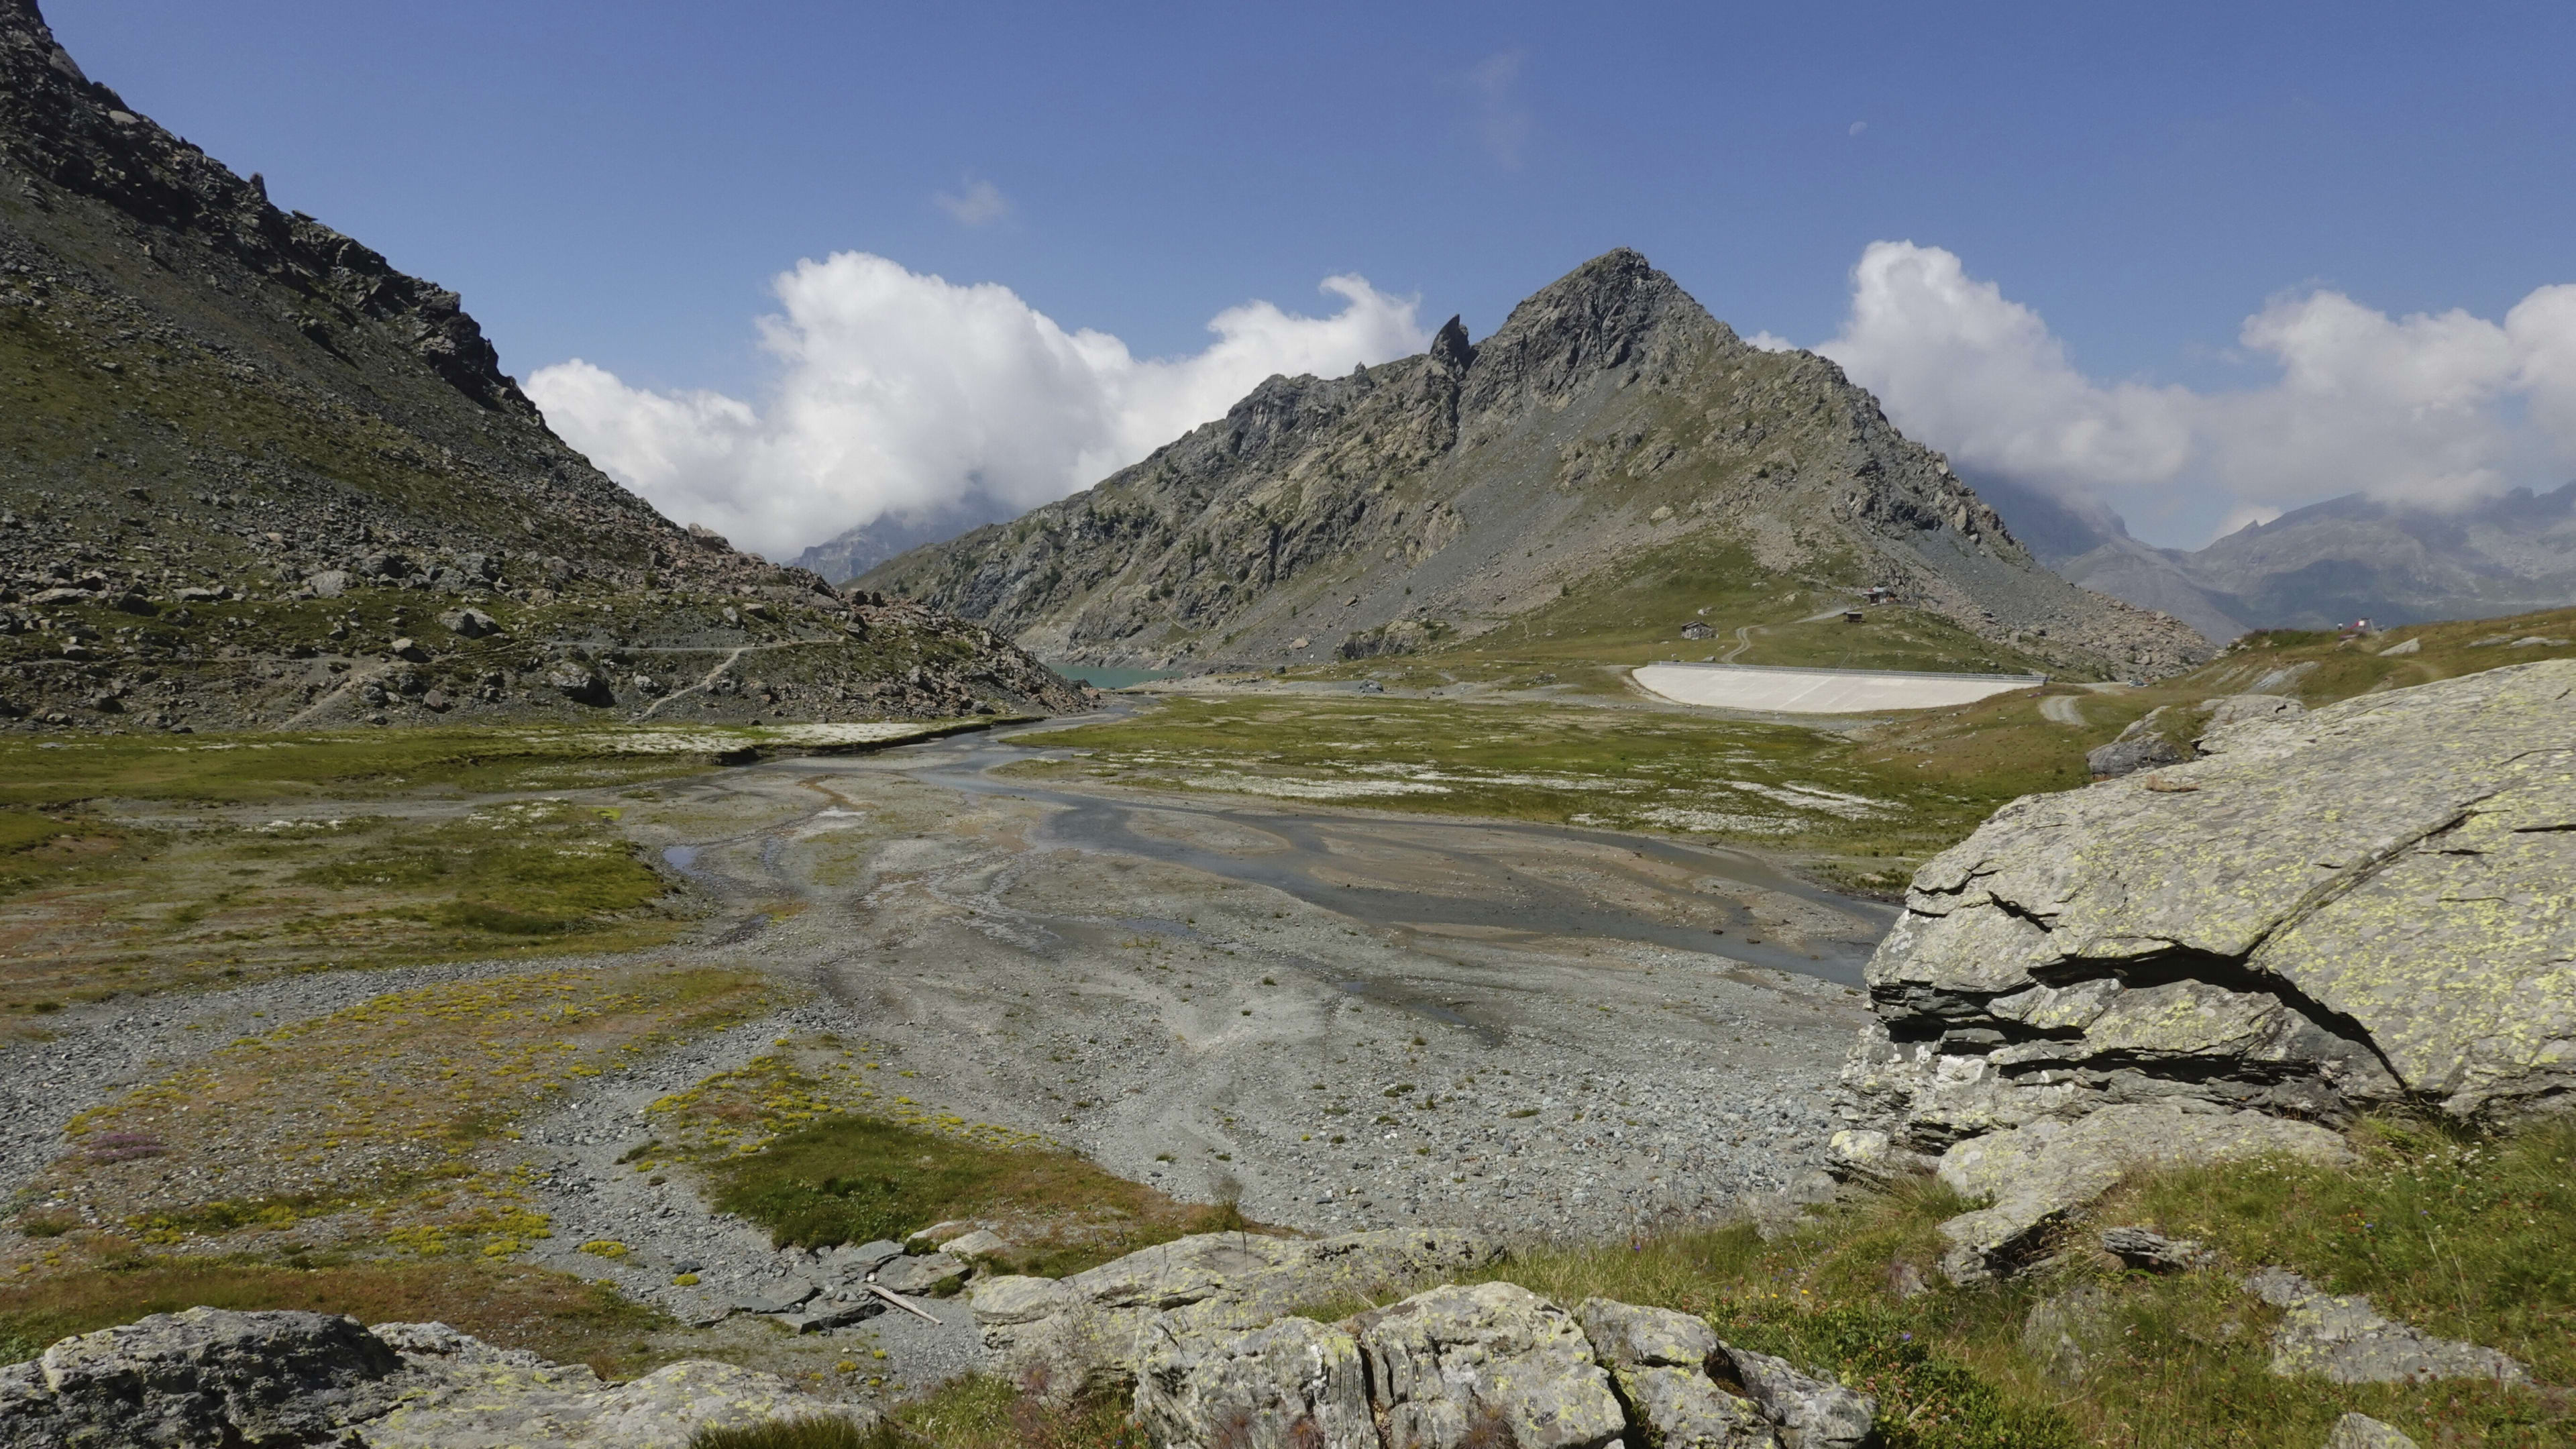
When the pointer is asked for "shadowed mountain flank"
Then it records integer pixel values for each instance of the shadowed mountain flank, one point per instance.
(1610, 420)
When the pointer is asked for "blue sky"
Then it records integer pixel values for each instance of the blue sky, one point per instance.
(623, 183)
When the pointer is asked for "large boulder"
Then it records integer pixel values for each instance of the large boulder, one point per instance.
(1060, 1337)
(2371, 903)
(1295, 1384)
(1494, 1363)
(1659, 1362)
(269, 1380)
(205, 1376)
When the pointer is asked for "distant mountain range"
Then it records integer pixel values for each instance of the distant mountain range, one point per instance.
(1610, 435)
(2332, 562)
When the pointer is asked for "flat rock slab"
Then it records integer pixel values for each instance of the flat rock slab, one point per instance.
(2034, 1175)
(2342, 1338)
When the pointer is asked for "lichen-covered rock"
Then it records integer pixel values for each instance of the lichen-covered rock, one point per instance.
(204, 1376)
(2342, 1338)
(2153, 1252)
(1084, 1332)
(2033, 1175)
(1659, 1360)
(2061, 1332)
(2370, 903)
(269, 1380)
(1294, 1384)
(2360, 1431)
(1811, 1412)
(1494, 1360)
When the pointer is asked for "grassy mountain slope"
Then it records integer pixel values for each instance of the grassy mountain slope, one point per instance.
(241, 454)
(1611, 432)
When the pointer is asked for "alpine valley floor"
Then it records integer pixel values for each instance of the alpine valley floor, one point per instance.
(1329, 1019)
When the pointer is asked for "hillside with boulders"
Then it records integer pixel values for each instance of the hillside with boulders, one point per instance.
(250, 472)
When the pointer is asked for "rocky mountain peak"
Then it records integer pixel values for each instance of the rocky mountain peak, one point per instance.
(1614, 311)
(1451, 352)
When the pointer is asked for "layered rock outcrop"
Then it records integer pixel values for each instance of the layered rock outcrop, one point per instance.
(2367, 905)
(269, 1380)
(1209, 1333)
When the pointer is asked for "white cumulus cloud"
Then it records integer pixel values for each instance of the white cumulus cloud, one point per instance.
(2425, 409)
(898, 392)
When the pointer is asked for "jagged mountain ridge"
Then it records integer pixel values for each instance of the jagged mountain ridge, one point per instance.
(1439, 496)
(2345, 558)
(211, 403)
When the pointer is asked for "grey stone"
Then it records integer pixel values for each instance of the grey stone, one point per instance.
(1812, 1413)
(203, 1376)
(469, 623)
(1494, 1359)
(408, 648)
(1294, 1384)
(577, 682)
(820, 1315)
(328, 584)
(2343, 1339)
(2154, 1252)
(270, 1380)
(981, 1243)
(2360, 1431)
(2356, 906)
(1658, 1360)
(926, 1273)
(773, 1295)
(1863, 1154)
(2032, 1176)
(2127, 757)
(860, 1259)
(1084, 1331)
(2061, 1331)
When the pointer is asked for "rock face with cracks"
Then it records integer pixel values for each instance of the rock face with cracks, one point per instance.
(2371, 904)
(1061, 1336)
(1495, 1359)
(255, 1380)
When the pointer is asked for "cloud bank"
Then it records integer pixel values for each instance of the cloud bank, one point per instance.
(2422, 409)
(900, 393)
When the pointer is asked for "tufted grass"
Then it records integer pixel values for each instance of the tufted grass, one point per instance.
(2466, 1236)
(852, 1178)
(812, 1432)
(984, 1412)
(553, 1314)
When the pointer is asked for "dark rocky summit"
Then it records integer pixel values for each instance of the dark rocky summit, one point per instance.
(2369, 905)
(1610, 429)
(243, 460)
